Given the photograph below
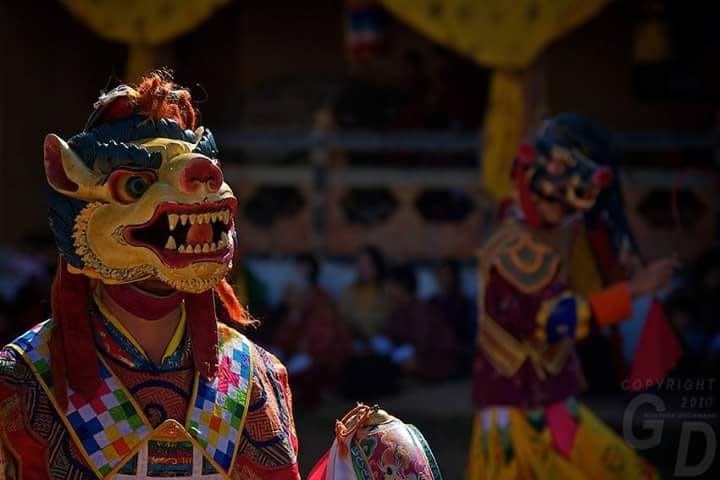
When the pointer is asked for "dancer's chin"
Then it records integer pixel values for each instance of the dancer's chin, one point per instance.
(154, 286)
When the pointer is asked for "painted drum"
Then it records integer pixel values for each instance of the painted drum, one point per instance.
(371, 444)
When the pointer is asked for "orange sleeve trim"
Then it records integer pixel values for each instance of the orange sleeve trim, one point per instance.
(612, 305)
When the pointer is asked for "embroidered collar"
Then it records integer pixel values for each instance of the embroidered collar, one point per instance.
(109, 427)
(113, 339)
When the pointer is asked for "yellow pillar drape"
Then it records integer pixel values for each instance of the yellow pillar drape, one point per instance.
(141, 59)
(504, 124)
(143, 25)
(506, 36)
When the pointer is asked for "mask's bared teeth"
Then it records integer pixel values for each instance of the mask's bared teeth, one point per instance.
(170, 245)
(213, 246)
(193, 218)
(226, 216)
(223, 242)
(181, 249)
(206, 248)
(183, 219)
(214, 217)
(208, 217)
(172, 221)
(198, 248)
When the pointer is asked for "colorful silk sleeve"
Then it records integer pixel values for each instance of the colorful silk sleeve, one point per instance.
(268, 448)
(565, 316)
(15, 438)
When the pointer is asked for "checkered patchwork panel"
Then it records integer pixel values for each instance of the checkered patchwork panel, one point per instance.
(216, 420)
(35, 347)
(109, 426)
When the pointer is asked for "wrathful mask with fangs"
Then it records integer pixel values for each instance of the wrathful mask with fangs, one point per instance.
(562, 174)
(180, 237)
(137, 196)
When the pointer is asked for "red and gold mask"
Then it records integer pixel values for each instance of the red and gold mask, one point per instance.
(140, 192)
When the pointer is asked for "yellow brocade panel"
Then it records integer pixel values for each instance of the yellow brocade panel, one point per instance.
(504, 35)
(504, 122)
(598, 453)
(143, 26)
(142, 23)
(141, 60)
(495, 33)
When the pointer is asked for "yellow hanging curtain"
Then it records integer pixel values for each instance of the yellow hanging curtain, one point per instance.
(506, 36)
(504, 125)
(143, 25)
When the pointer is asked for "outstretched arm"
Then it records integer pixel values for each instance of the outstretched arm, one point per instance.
(614, 304)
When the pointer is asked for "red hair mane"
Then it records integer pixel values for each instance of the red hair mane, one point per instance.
(160, 97)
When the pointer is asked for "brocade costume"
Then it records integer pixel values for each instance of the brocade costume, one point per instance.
(139, 195)
(534, 305)
(39, 443)
(144, 223)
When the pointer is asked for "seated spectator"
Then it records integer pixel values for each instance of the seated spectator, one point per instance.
(705, 284)
(457, 311)
(418, 337)
(310, 337)
(24, 288)
(363, 305)
(250, 290)
(252, 293)
(692, 310)
(682, 312)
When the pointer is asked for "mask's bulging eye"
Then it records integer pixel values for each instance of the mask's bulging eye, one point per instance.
(127, 186)
(136, 186)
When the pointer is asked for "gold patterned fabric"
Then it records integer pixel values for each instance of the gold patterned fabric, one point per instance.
(504, 122)
(147, 23)
(513, 444)
(495, 33)
(142, 25)
(504, 35)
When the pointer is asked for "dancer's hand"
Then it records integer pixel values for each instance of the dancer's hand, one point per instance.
(655, 276)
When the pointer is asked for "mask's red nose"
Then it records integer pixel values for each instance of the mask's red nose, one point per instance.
(602, 178)
(199, 171)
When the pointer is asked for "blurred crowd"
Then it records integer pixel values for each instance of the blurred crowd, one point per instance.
(693, 308)
(25, 275)
(378, 335)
